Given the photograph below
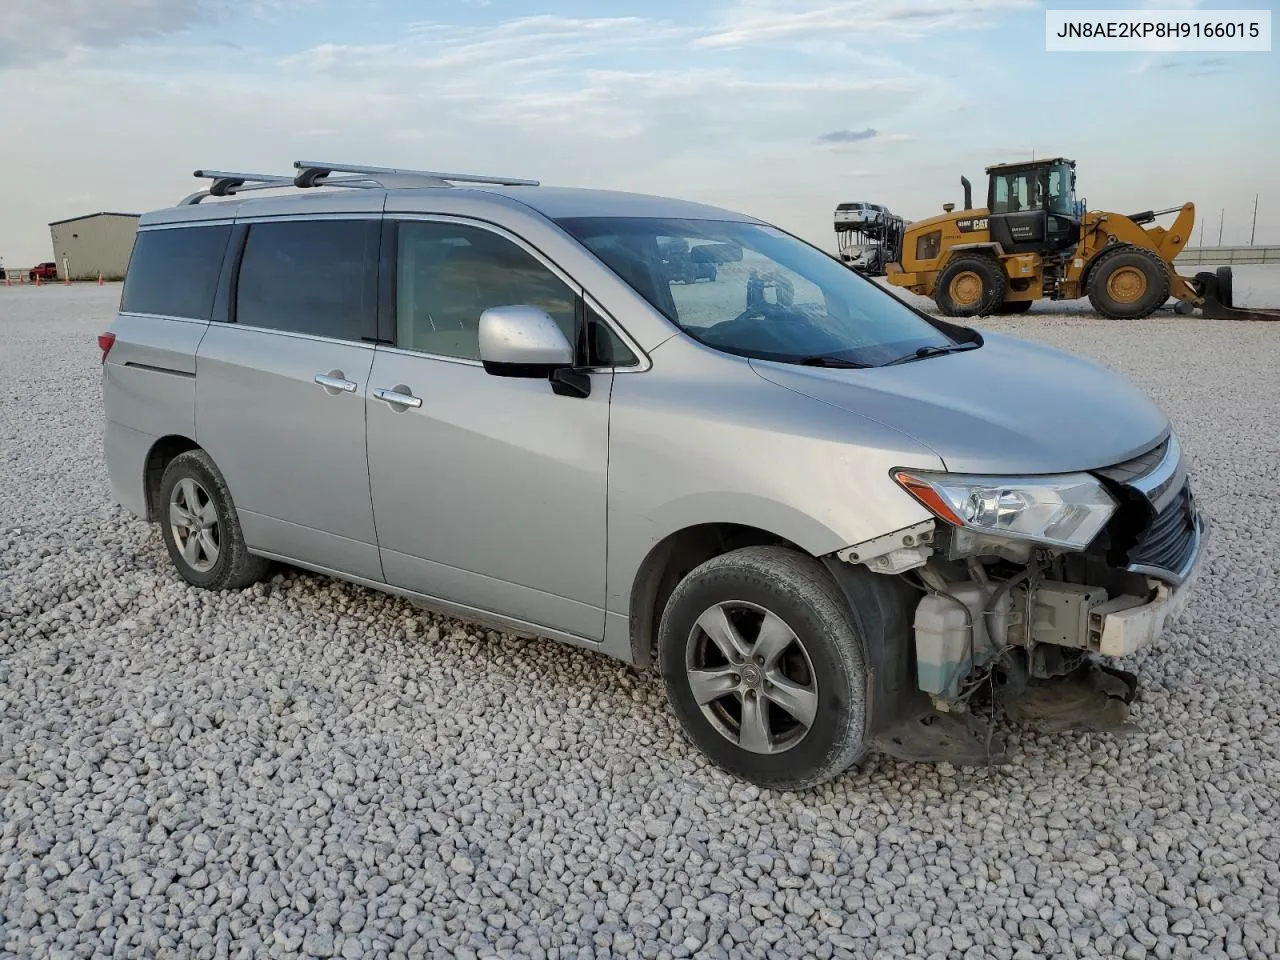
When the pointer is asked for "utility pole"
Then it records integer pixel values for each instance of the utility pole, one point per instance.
(1202, 233)
(1222, 214)
(1253, 231)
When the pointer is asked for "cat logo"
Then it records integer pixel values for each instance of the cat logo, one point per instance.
(970, 224)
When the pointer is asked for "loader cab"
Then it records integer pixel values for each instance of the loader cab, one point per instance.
(1033, 206)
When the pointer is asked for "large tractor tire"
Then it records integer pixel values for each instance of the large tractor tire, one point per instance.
(1129, 283)
(971, 285)
(1223, 276)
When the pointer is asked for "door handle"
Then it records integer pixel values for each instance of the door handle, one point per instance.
(398, 398)
(334, 380)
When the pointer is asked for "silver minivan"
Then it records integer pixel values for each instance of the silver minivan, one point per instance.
(834, 523)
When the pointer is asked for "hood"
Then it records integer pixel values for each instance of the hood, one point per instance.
(1011, 406)
(949, 217)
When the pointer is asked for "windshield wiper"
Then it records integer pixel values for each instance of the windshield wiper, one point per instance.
(923, 352)
(827, 360)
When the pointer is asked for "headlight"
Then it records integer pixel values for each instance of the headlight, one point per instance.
(1066, 510)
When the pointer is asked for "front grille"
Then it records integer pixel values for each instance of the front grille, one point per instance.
(1169, 540)
(1139, 466)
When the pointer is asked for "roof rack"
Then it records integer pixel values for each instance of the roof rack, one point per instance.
(321, 169)
(312, 173)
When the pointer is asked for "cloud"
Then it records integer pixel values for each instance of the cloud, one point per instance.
(552, 73)
(35, 30)
(848, 136)
(705, 102)
(756, 22)
(846, 139)
(1198, 67)
(1193, 66)
(514, 55)
(619, 102)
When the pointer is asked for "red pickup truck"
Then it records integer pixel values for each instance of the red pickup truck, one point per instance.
(45, 271)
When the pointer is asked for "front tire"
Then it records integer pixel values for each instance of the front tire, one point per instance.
(1129, 283)
(201, 528)
(971, 286)
(764, 668)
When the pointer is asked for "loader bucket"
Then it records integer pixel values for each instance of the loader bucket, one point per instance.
(1214, 298)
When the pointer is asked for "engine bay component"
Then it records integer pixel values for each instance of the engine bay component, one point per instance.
(963, 627)
(954, 636)
(1060, 612)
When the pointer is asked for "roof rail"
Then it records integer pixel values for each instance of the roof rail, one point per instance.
(317, 170)
(312, 173)
(226, 183)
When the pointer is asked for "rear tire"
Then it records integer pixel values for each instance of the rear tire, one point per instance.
(201, 528)
(796, 716)
(971, 285)
(1128, 283)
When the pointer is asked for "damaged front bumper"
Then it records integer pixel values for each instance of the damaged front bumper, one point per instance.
(1127, 628)
(1040, 656)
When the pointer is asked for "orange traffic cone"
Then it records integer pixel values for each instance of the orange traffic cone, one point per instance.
(38, 283)
(99, 279)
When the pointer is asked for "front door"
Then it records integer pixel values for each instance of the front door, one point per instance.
(280, 393)
(488, 492)
(1017, 217)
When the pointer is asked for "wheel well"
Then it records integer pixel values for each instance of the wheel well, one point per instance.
(669, 562)
(991, 254)
(162, 451)
(991, 251)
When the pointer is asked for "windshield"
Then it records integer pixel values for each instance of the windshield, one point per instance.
(756, 291)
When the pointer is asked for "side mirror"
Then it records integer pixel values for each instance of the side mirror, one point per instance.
(520, 341)
(523, 341)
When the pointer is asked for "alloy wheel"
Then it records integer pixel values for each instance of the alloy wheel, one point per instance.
(751, 677)
(193, 522)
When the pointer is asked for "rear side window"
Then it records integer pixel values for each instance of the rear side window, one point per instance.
(310, 276)
(174, 272)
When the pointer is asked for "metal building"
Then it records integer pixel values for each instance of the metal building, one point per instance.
(97, 244)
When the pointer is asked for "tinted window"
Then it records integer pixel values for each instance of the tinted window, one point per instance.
(1062, 189)
(1015, 192)
(310, 276)
(449, 274)
(174, 272)
(607, 348)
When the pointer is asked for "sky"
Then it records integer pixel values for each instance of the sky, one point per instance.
(778, 108)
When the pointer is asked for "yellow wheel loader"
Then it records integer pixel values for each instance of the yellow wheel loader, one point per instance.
(1034, 241)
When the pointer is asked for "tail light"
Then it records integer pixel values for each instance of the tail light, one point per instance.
(105, 342)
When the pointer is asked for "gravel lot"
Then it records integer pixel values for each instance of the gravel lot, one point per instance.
(313, 768)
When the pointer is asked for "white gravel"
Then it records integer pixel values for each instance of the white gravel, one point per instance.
(313, 768)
